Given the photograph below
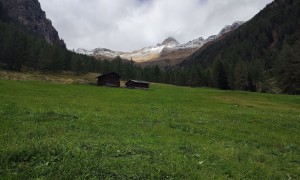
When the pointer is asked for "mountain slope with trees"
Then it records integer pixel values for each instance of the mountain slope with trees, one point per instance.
(21, 49)
(261, 55)
(28, 15)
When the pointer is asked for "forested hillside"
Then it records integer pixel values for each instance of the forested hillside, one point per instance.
(29, 16)
(261, 55)
(20, 50)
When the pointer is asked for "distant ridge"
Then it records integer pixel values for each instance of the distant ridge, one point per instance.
(169, 50)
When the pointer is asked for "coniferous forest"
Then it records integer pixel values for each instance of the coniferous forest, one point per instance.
(262, 55)
(20, 50)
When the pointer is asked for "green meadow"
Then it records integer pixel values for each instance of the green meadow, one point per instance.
(55, 131)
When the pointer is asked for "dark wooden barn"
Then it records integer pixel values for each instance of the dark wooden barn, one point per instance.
(137, 84)
(110, 79)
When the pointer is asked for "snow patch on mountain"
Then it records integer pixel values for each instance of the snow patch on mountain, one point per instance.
(170, 44)
(232, 27)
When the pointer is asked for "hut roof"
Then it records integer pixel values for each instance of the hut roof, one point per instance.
(137, 81)
(107, 74)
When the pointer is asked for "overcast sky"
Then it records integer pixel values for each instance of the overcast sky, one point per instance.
(132, 24)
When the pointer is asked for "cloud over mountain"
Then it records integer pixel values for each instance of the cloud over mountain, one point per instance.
(133, 24)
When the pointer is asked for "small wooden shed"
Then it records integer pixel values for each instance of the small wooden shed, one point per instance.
(137, 84)
(111, 79)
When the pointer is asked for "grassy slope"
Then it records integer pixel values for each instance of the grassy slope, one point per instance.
(61, 78)
(62, 131)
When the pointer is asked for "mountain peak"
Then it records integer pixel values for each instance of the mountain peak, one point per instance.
(232, 27)
(170, 41)
(170, 47)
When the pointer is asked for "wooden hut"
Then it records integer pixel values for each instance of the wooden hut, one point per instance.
(137, 84)
(110, 79)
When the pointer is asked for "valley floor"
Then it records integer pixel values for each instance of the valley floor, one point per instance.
(62, 131)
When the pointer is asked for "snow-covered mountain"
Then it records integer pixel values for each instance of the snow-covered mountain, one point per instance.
(232, 27)
(169, 42)
(161, 50)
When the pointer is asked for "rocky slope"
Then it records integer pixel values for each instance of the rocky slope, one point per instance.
(29, 15)
(167, 53)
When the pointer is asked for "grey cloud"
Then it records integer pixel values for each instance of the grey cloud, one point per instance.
(133, 24)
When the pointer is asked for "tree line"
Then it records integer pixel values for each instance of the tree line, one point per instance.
(19, 50)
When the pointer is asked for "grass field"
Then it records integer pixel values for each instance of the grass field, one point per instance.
(56, 131)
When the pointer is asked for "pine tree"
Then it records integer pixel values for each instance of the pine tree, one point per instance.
(220, 75)
(256, 72)
(288, 68)
(241, 75)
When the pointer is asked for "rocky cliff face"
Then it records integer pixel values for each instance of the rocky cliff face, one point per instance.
(32, 18)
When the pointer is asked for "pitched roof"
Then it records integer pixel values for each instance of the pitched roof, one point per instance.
(137, 81)
(107, 74)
